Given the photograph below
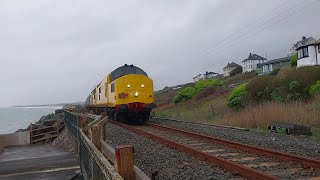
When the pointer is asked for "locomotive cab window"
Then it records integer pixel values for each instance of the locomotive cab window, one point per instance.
(112, 87)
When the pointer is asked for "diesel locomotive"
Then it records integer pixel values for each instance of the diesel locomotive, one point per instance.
(126, 94)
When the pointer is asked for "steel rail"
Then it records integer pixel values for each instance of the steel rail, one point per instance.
(229, 165)
(249, 148)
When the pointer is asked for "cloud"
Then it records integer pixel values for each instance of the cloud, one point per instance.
(57, 51)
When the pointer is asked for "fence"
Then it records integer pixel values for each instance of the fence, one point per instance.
(93, 164)
(41, 134)
(89, 134)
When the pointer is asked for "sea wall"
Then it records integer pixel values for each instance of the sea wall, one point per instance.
(19, 138)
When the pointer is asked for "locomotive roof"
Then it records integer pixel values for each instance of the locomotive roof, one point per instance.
(124, 70)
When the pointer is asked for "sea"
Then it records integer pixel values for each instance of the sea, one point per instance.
(14, 118)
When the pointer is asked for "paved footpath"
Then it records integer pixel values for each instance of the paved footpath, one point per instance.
(38, 161)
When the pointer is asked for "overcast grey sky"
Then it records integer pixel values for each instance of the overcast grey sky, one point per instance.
(54, 51)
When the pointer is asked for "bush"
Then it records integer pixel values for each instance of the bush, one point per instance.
(236, 97)
(237, 70)
(275, 71)
(276, 97)
(203, 84)
(190, 92)
(294, 59)
(315, 89)
(185, 94)
(238, 91)
(236, 104)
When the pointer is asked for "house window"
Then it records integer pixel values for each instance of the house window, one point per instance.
(99, 90)
(304, 52)
(112, 87)
(319, 48)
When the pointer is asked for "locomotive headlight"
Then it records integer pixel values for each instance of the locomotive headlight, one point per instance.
(136, 94)
(142, 85)
(128, 85)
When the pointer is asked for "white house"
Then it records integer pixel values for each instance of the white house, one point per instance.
(207, 75)
(308, 51)
(229, 68)
(198, 77)
(251, 63)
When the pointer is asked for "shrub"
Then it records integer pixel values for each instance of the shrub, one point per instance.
(236, 104)
(203, 84)
(190, 92)
(315, 89)
(276, 97)
(236, 97)
(294, 59)
(185, 94)
(275, 71)
(237, 70)
(238, 91)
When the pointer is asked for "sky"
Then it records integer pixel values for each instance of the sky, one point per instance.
(56, 51)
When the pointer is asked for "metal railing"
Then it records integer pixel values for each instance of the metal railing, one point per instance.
(93, 164)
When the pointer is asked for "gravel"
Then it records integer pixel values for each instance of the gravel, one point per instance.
(155, 158)
(299, 145)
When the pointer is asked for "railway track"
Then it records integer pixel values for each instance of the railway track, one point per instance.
(244, 160)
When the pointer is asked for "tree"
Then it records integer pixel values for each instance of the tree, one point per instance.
(294, 60)
(235, 71)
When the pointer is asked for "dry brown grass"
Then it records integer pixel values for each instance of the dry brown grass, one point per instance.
(307, 114)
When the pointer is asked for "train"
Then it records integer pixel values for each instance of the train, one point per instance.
(126, 95)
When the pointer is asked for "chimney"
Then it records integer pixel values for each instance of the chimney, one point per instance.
(304, 38)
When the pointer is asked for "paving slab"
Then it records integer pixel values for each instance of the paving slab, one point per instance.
(38, 161)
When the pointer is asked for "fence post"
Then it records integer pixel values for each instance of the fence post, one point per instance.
(84, 124)
(125, 161)
(30, 133)
(96, 136)
(104, 128)
(2, 144)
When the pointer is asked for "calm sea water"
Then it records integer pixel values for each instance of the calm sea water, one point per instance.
(14, 118)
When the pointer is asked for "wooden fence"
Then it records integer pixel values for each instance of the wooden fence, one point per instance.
(44, 133)
(122, 157)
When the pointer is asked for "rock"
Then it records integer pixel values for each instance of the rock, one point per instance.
(43, 118)
(20, 130)
(49, 122)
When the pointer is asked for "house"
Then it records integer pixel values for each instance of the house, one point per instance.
(198, 77)
(308, 51)
(271, 65)
(207, 75)
(210, 75)
(229, 68)
(251, 63)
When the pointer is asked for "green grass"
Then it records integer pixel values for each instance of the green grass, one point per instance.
(316, 134)
(259, 130)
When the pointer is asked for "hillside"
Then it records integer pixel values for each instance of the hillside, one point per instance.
(283, 96)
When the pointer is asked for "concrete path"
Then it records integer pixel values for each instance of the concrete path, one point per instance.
(38, 161)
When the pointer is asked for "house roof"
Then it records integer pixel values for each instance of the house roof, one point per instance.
(209, 73)
(305, 42)
(197, 76)
(274, 61)
(232, 65)
(254, 57)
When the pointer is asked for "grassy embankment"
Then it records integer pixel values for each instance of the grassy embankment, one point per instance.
(211, 104)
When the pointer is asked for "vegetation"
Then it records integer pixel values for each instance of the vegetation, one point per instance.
(237, 70)
(189, 92)
(294, 59)
(291, 95)
(235, 97)
(315, 89)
